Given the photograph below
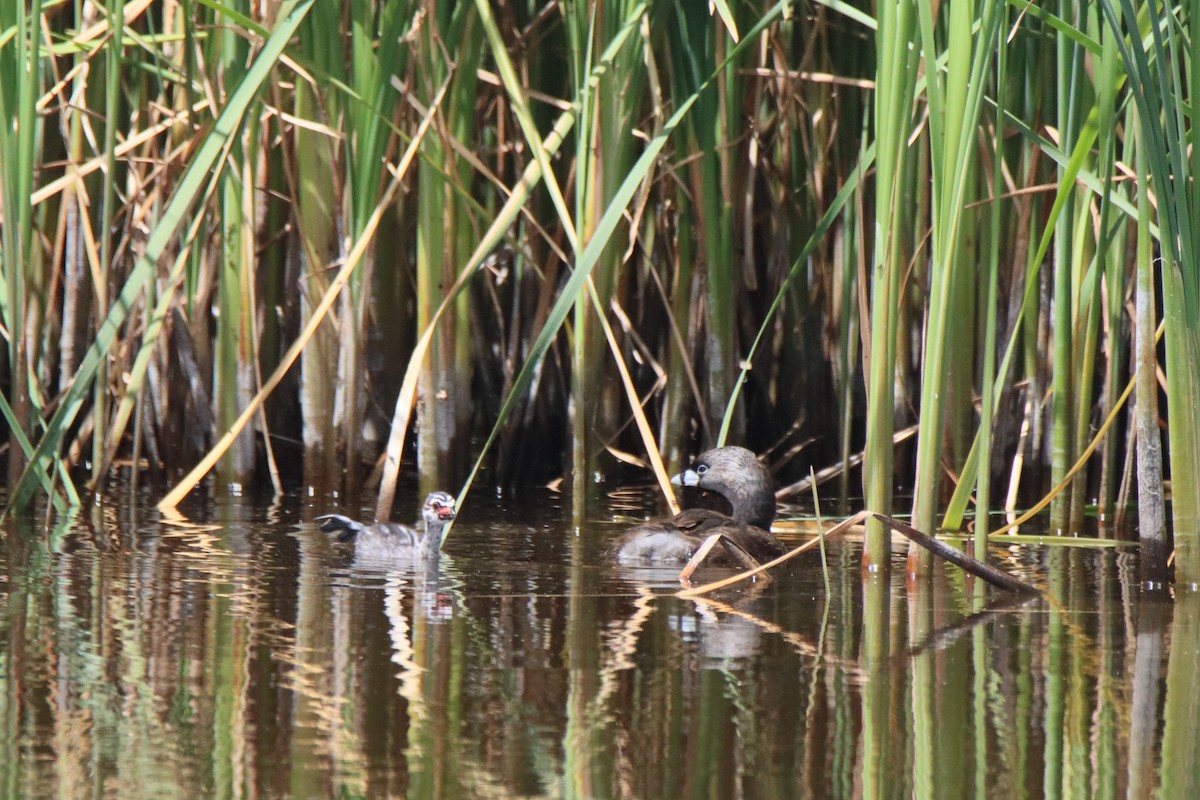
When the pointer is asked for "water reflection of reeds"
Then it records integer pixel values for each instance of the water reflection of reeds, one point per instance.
(254, 658)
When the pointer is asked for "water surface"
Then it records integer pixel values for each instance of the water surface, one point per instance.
(244, 655)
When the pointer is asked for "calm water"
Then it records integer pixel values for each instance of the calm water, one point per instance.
(244, 656)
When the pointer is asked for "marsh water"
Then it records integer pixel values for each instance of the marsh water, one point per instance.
(241, 653)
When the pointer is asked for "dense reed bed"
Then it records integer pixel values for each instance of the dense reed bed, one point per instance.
(309, 243)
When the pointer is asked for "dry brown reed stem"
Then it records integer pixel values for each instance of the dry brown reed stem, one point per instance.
(135, 141)
(172, 499)
(635, 404)
(407, 397)
(101, 28)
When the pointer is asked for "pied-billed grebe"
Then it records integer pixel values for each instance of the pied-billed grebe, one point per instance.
(735, 474)
(382, 541)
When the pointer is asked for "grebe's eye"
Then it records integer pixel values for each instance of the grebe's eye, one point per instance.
(701, 469)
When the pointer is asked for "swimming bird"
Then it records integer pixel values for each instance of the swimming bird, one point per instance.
(383, 541)
(738, 476)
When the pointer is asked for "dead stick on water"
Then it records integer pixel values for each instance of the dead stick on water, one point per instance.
(992, 575)
(996, 577)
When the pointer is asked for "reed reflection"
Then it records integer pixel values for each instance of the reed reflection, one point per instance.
(246, 654)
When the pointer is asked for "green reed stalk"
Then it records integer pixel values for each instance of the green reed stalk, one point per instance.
(1085, 327)
(274, 289)
(966, 289)
(442, 223)
(465, 224)
(676, 296)
(1024, 328)
(895, 82)
(20, 70)
(946, 98)
(1113, 250)
(317, 213)
(848, 332)
(1152, 517)
(1165, 119)
(604, 154)
(954, 107)
(233, 371)
(983, 495)
(108, 200)
(378, 52)
(586, 382)
(1068, 65)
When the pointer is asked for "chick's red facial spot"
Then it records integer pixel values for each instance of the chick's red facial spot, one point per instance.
(443, 512)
